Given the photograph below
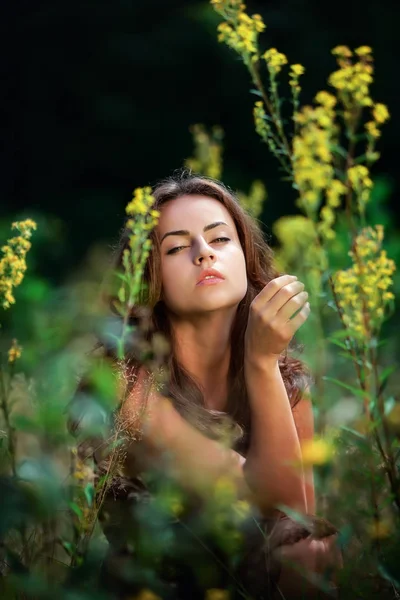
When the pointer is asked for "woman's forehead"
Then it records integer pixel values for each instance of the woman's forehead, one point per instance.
(190, 211)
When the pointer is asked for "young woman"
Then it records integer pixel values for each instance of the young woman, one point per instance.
(229, 319)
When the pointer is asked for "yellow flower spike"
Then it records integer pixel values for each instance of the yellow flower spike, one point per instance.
(13, 264)
(242, 509)
(275, 60)
(372, 129)
(297, 70)
(217, 594)
(380, 529)
(14, 352)
(380, 113)
(145, 595)
(316, 452)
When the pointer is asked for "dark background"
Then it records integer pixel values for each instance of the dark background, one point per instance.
(98, 97)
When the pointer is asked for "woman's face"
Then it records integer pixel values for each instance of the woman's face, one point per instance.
(198, 233)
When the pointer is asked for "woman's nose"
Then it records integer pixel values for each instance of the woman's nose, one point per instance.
(204, 252)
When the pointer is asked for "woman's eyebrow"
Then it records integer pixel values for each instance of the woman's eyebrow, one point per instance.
(186, 232)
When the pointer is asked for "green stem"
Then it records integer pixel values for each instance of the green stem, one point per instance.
(258, 83)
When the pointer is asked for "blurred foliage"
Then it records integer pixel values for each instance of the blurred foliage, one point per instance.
(75, 140)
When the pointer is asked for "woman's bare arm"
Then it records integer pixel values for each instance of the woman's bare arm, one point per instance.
(274, 445)
(168, 440)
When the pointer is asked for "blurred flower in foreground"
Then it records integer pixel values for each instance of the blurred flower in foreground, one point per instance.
(379, 529)
(14, 352)
(145, 595)
(216, 594)
(316, 452)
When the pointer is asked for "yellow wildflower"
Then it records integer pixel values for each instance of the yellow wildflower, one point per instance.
(294, 74)
(362, 290)
(297, 70)
(13, 264)
(239, 31)
(217, 594)
(260, 120)
(363, 51)
(380, 113)
(316, 452)
(14, 352)
(275, 60)
(334, 191)
(207, 158)
(343, 51)
(312, 154)
(253, 201)
(352, 81)
(325, 99)
(372, 129)
(146, 595)
(380, 529)
(361, 183)
(258, 23)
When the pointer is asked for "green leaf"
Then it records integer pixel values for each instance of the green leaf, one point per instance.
(89, 493)
(75, 508)
(256, 92)
(353, 431)
(340, 334)
(338, 343)
(385, 374)
(121, 294)
(346, 386)
(68, 547)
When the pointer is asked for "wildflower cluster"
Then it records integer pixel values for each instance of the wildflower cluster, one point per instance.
(352, 79)
(312, 256)
(225, 512)
(14, 352)
(295, 72)
(361, 182)
(275, 60)
(312, 158)
(352, 82)
(142, 219)
(82, 477)
(13, 263)
(254, 200)
(239, 30)
(363, 290)
(207, 152)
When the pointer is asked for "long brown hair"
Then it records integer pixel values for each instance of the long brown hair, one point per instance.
(179, 385)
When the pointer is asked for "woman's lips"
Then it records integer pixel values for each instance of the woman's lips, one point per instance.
(210, 281)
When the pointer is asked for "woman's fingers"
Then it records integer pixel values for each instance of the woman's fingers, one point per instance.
(284, 300)
(270, 293)
(301, 316)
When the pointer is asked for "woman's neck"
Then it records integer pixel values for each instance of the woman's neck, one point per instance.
(203, 348)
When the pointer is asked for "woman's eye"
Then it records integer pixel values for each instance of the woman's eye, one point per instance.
(223, 239)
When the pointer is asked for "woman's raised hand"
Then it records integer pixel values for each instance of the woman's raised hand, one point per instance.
(270, 327)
